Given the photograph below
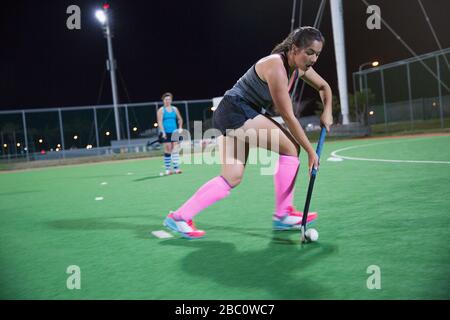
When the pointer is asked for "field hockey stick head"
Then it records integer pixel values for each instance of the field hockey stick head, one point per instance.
(302, 231)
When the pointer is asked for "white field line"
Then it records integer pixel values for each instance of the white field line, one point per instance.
(336, 155)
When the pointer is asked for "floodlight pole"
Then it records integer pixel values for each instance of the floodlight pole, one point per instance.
(337, 21)
(111, 64)
(360, 75)
(373, 64)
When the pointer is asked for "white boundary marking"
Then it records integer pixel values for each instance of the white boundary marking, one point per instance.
(162, 234)
(334, 154)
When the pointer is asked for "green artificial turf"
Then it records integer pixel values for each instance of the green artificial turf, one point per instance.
(392, 215)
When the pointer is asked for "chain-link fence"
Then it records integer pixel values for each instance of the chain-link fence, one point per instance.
(411, 94)
(43, 134)
(406, 95)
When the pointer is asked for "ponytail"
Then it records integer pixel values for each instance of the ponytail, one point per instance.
(301, 37)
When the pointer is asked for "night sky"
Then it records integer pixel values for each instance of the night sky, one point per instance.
(196, 49)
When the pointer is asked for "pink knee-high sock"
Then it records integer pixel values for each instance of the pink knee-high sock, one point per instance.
(284, 181)
(211, 192)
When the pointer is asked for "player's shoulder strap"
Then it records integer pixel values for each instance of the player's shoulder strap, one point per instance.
(292, 80)
(285, 62)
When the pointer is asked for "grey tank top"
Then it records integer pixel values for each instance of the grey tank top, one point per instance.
(253, 90)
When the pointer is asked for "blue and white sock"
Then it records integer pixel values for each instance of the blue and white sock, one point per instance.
(167, 161)
(176, 160)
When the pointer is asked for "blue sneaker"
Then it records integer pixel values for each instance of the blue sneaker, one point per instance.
(186, 229)
(292, 220)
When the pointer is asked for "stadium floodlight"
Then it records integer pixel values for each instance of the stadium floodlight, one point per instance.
(101, 16)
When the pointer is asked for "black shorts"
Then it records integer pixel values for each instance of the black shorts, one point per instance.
(169, 138)
(232, 113)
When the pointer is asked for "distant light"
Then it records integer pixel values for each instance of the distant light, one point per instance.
(25, 148)
(89, 146)
(18, 144)
(371, 113)
(42, 151)
(5, 145)
(434, 104)
(40, 140)
(155, 124)
(134, 129)
(106, 6)
(75, 137)
(375, 64)
(213, 108)
(57, 149)
(58, 145)
(101, 16)
(108, 133)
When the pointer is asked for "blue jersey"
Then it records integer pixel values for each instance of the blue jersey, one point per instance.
(169, 120)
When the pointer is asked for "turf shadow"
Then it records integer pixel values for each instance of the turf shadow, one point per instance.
(141, 230)
(280, 237)
(278, 269)
(149, 178)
